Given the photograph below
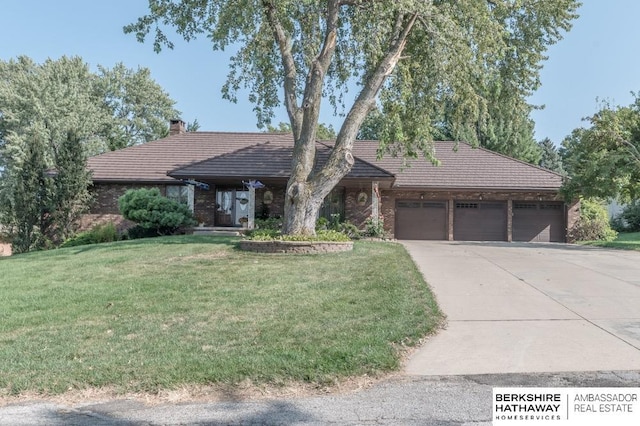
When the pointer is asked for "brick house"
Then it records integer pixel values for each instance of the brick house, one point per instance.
(474, 194)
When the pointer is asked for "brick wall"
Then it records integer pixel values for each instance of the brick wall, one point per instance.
(204, 205)
(105, 196)
(105, 206)
(354, 211)
(276, 208)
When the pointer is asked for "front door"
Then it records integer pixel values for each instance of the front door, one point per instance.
(232, 207)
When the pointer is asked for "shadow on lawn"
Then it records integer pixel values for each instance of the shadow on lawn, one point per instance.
(164, 240)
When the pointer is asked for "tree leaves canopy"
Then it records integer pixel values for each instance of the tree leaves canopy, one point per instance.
(325, 132)
(603, 160)
(54, 114)
(456, 53)
(550, 158)
(139, 108)
(110, 109)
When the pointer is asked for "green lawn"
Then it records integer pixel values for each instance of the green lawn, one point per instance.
(146, 315)
(628, 241)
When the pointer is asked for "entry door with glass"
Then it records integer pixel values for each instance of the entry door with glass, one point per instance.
(232, 207)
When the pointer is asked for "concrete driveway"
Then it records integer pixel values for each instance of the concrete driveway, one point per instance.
(516, 307)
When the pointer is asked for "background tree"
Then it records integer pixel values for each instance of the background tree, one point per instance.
(139, 108)
(53, 115)
(193, 126)
(550, 158)
(70, 195)
(603, 160)
(324, 132)
(505, 130)
(27, 190)
(415, 60)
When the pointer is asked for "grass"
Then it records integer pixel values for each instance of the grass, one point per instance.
(627, 241)
(148, 315)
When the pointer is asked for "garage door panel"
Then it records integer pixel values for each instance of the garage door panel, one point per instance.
(421, 220)
(480, 221)
(538, 222)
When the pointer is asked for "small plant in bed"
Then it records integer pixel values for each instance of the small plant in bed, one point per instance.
(273, 235)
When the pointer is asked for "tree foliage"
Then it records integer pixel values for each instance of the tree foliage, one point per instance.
(52, 115)
(138, 107)
(630, 217)
(506, 131)
(28, 192)
(550, 156)
(107, 110)
(415, 60)
(603, 160)
(325, 132)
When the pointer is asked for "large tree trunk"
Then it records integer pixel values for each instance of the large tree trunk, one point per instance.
(301, 208)
(307, 188)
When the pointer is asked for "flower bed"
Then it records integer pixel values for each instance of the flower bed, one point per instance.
(295, 247)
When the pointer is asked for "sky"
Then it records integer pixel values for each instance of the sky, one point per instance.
(597, 60)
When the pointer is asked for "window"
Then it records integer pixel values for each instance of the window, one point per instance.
(467, 205)
(551, 206)
(181, 193)
(525, 206)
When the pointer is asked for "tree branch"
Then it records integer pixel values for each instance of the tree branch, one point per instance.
(288, 62)
(352, 2)
(635, 153)
(341, 158)
(304, 147)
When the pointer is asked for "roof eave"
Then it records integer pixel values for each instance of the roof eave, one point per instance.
(134, 180)
(475, 188)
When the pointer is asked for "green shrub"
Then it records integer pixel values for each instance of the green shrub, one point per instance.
(153, 212)
(631, 217)
(335, 224)
(137, 232)
(593, 223)
(322, 223)
(262, 233)
(105, 233)
(350, 230)
(272, 223)
(375, 229)
(322, 235)
(618, 224)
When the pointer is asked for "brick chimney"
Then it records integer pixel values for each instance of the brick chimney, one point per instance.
(177, 127)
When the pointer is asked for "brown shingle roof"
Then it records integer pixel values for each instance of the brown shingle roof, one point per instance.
(267, 160)
(466, 168)
(261, 155)
(151, 161)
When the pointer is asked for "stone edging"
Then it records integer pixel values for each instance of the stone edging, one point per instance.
(295, 247)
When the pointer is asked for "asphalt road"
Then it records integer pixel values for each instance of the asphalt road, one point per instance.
(403, 400)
